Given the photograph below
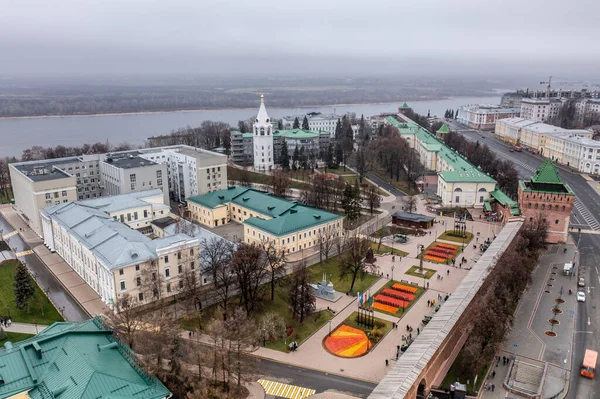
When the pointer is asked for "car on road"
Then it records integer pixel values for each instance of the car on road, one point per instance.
(511, 150)
(580, 296)
(581, 282)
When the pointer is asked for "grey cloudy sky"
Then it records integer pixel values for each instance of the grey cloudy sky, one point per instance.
(278, 36)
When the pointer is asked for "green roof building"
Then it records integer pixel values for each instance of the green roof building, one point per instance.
(75, 361)
(443, 130)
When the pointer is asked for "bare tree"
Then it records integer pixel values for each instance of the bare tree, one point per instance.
(353, 262)
(215, 256)
(326, 236)
(151, 281)
(275, 258)
(241, 333)
(272, 326)
(372, 198)
(281, 184)
(301, 297)
(410, 203)
(125, 321)
(250, 268)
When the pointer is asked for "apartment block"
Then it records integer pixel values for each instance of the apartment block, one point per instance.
(484, 116)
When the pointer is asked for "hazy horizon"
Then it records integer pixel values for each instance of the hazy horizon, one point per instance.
(135, 38)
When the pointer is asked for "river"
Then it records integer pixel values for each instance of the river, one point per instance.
(19, 133)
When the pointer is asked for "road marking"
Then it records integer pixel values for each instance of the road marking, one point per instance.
(24, 253)
(589, 321)
(285, 390)
(12, 233)
(596, 267)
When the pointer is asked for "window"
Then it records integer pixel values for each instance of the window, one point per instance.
(140, 297)
(64, 193)
(179, 269)
(159, 182)
(122, 217)
(556, 221)
(168, 287)
(129, 217)
(56, 194)
(138, 281)
(167, 273)
(192, 265)
(120, 272)
(180, 284)
(166, 258)
(192, 251)
(47, 195)
(535, 206)
(159, 174)
(122, 284)
(132, 178)
(145, 214)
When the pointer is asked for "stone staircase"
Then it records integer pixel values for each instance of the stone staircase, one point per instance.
(526, 378)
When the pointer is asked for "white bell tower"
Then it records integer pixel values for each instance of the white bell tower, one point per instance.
(263, 139)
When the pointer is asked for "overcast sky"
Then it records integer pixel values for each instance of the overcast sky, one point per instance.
(113, 37)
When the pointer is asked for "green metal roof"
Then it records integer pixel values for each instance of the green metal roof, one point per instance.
(546, 173)
(216, 198)
(262, 202)
(506, 201)
(73, 361)
(444, 129)
(297, 134)
(405, 105)
(466, 176)
(487, 206)
(238, 133)
(297, 218)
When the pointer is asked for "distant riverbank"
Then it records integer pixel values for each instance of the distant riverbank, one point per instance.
(24, 132)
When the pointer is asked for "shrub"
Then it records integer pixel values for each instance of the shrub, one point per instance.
(379, 324)
(289, 331)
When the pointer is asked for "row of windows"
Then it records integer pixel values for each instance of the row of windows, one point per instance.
(55, 194)
(543, 207)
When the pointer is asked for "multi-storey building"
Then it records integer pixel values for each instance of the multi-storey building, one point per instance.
(317, 122)
(539, 109)
(191, 171)
(459, 182)
(484, 116)
(546, 196)
(587, 111)
(179, 170)
(291, 226)
(128, 172)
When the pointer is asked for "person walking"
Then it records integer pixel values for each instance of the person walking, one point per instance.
(428, 285)
(493, 387)
(428, 301)
(448, 272)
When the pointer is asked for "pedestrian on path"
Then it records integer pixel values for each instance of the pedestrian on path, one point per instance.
(493, 387)
(448, 272)
(493, 373)
(428, 301)
(386, 363)
(428, 285)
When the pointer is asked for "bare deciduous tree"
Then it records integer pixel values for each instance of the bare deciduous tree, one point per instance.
(215, 256)
(353, 262)
(281, 184)
(275, 258)
(372, 198)
(125, 321)
(249, 265)
(301, 297)
(410, 203)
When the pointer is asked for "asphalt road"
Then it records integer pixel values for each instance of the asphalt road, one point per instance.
(585, 215)
(45, 279)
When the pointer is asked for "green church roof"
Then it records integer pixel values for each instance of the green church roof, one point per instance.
(546, 173)
(444, 129)
(405, 106)
(75, 361)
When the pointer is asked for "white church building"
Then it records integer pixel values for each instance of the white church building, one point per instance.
(263, 139)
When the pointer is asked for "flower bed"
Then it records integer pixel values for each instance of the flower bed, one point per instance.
(444, 245)
(385, 308)
(436, 259)
(405, 288)
(398, 294)
(388, 300)
(347, 341)
(439, 254)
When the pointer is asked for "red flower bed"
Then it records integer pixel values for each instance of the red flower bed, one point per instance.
(444, 245)
(386, 300)
(434, 259)
(398, 294)
(439, 254)
(405, 288)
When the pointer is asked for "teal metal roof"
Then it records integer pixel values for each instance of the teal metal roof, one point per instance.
(238, 133)
(506, 201)
(405, 105)
(444, 129)
(298, 217)
(72, 361)
(216, 198)
(466, 176)
(286, 216)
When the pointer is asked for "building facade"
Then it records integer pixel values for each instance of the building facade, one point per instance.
(291, 226)
(262, 131)
(546, 196)
(587, 111)
(484, 116)
(540, 109)
(317, 122)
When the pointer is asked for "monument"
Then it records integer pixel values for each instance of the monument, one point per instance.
(324, 290)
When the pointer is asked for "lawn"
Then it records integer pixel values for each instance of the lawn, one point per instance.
(338, 171)
(4, 246)
(39, 301)
(332, 269)
(384, 249)
(259, 178)
(401, 185)
(365, 183)
(450, 236)
(413, 272)
(452, 377)
(14, 337)
(300, 174)
(401, 311)
(6, 195)
(383, 324)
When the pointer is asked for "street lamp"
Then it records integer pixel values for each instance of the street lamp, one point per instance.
(330, 328)
(35, 324)
(392, 272)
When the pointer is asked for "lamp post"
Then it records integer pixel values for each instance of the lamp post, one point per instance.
(35, 324)
(392, 272)
(330, 328)
(8, 309)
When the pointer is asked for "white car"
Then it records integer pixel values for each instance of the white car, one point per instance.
(580, 296)
(581, 282)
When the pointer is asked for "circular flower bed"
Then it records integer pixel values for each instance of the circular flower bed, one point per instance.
(347, 341)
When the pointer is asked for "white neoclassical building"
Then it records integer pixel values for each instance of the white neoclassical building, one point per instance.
(263, 139)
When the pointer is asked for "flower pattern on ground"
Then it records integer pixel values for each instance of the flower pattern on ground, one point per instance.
(348, 341)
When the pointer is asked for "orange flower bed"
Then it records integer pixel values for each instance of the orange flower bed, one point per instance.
(385, 308)
(434, 259)
(405, 288)
(391, 301)
(438, 254)
(444, 245)
(398, 294)
(348, 341)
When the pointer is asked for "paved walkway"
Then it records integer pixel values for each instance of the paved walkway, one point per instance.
(25, 328)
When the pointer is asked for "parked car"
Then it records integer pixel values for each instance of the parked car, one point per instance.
(580, 296)
(581, 282)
